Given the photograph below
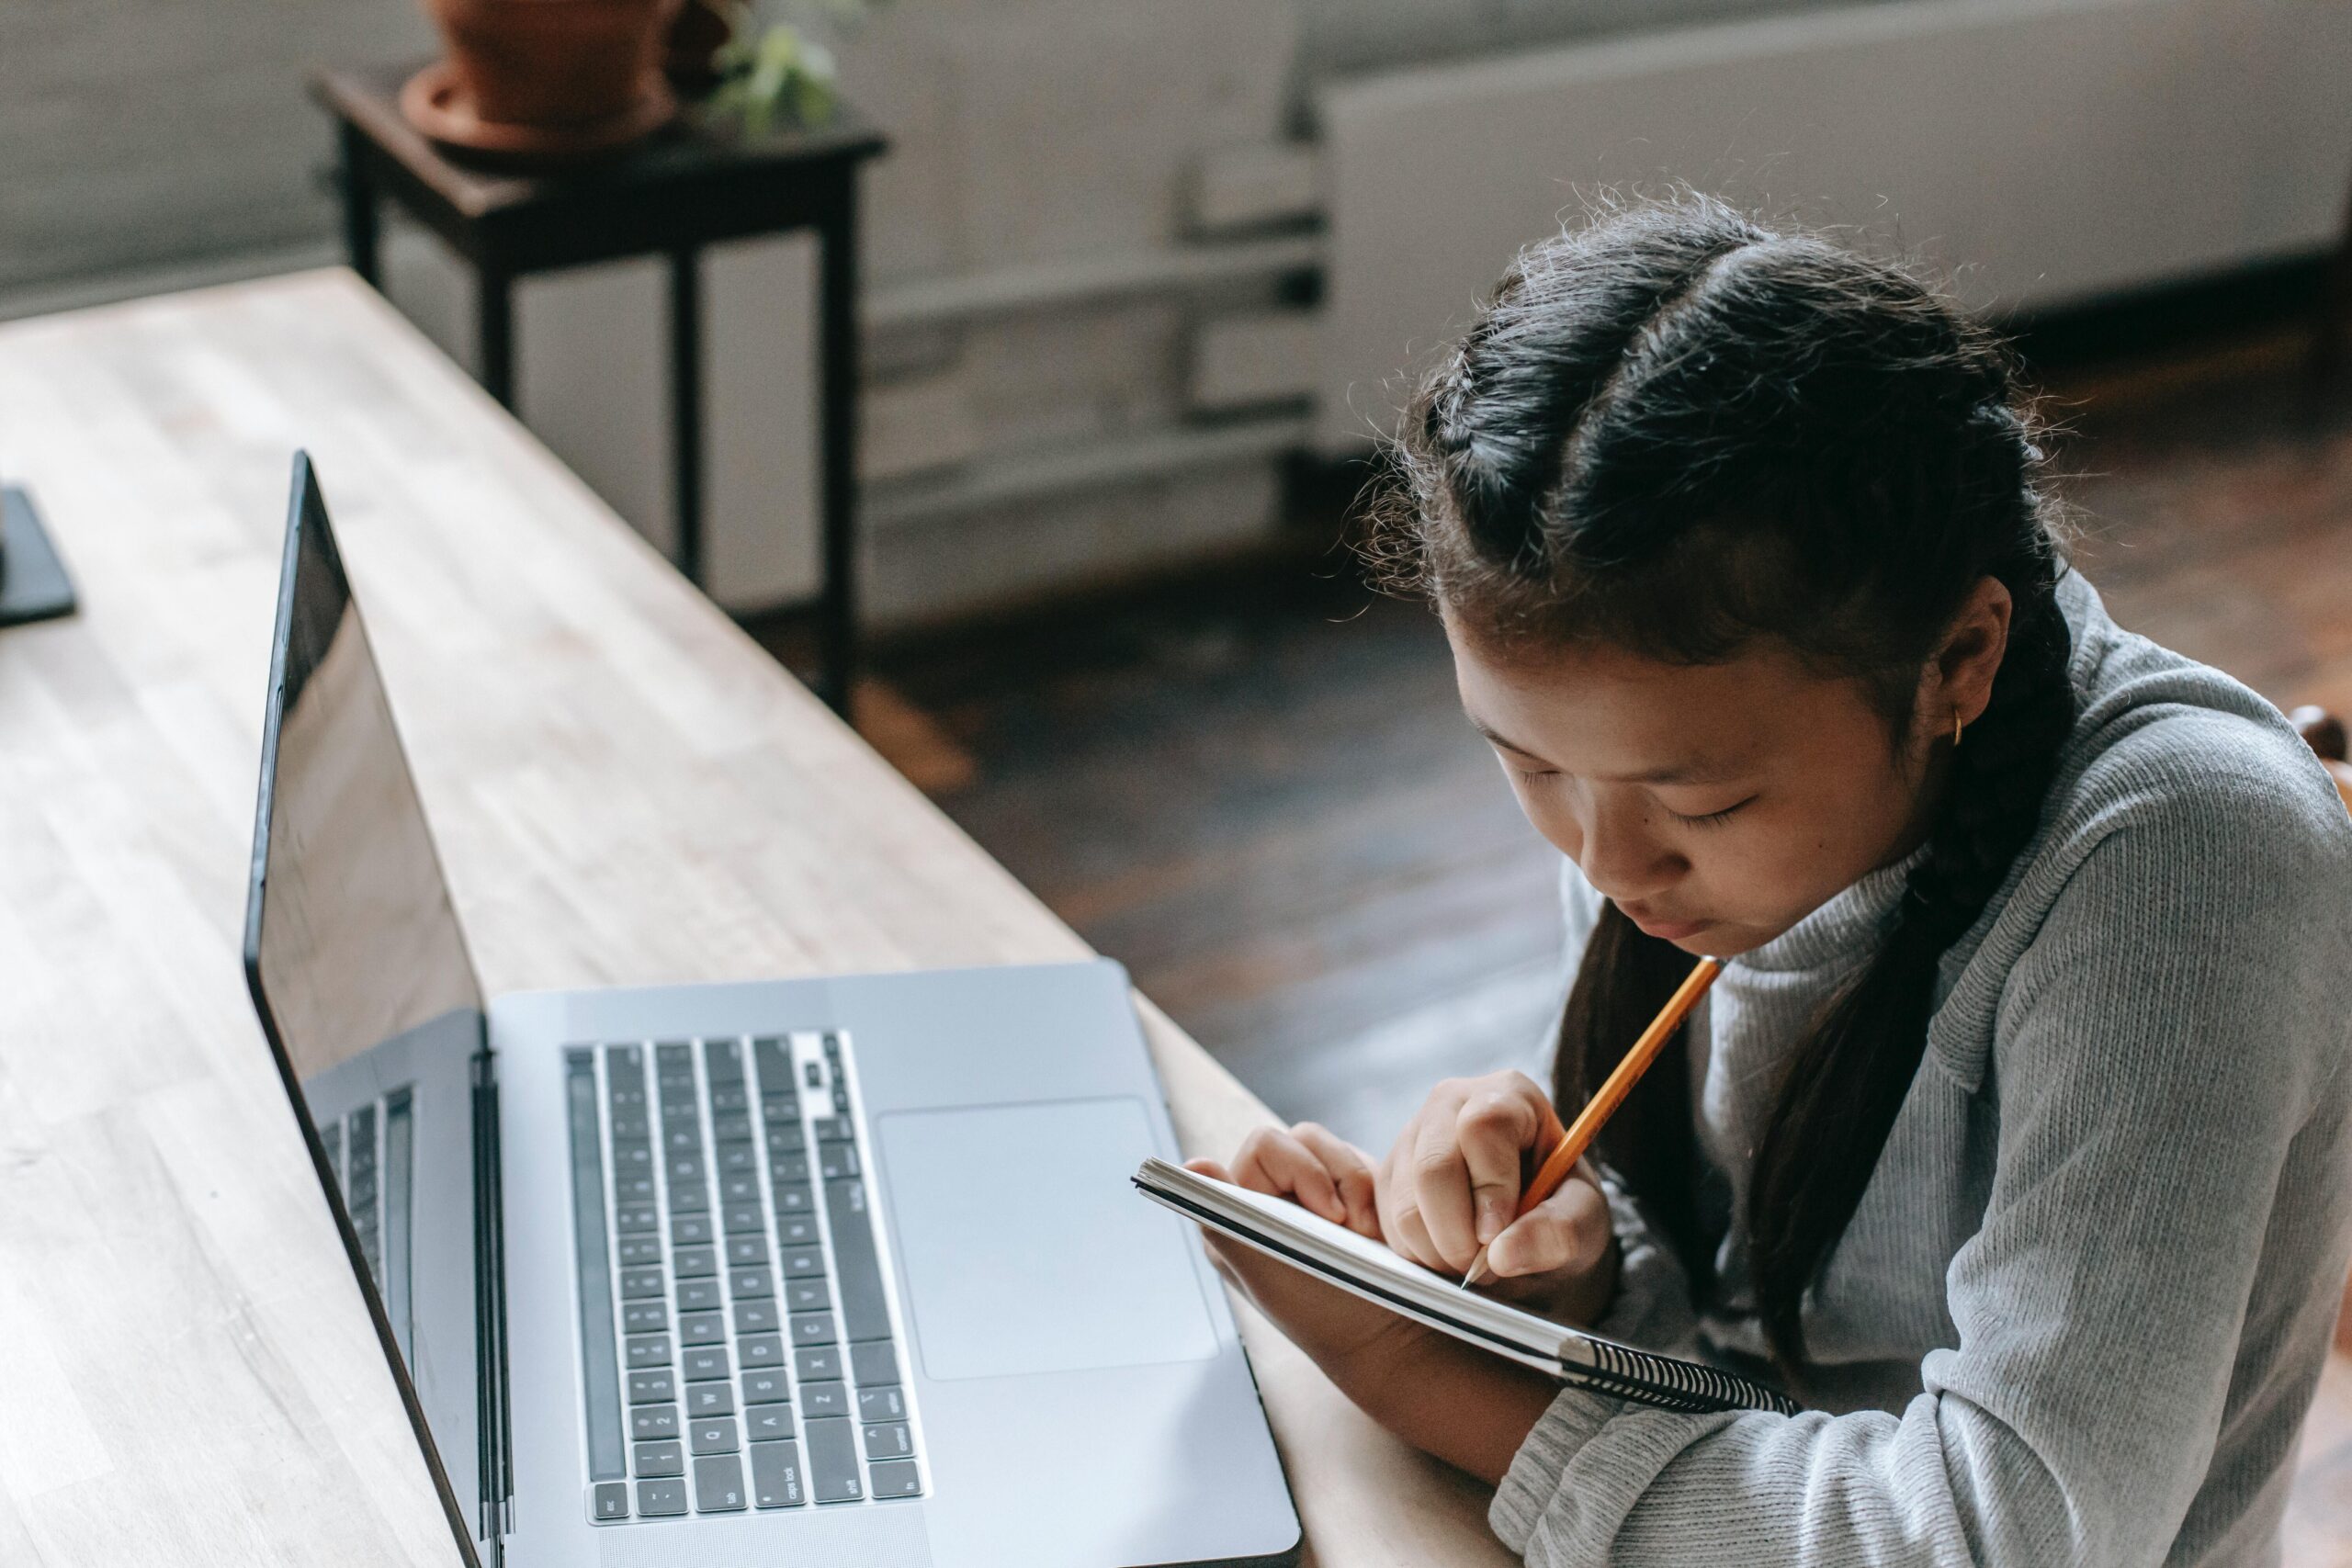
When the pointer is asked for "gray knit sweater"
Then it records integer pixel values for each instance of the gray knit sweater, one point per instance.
(2081, 1310)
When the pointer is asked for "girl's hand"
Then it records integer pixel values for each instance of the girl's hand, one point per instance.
(1453, 1181)
(1327, 1176)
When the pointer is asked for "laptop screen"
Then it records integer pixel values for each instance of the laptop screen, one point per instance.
(364, 984)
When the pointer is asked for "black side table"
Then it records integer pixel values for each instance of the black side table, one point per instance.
(684, 188)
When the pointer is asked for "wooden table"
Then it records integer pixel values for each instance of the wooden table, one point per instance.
(690, 186)
(625, 789)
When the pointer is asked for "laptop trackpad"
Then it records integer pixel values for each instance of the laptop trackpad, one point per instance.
(1026, 1247)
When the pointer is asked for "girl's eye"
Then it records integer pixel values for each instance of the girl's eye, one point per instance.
(1712, 817)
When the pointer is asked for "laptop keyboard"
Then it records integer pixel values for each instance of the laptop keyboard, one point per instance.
(739, 1343)
(372, 1152)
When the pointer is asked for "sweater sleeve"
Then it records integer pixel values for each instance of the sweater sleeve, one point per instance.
(2160, 1042)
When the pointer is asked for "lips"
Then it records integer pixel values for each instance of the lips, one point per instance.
(1665, 930)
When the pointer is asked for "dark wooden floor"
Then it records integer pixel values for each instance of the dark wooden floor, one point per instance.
(1258, 793)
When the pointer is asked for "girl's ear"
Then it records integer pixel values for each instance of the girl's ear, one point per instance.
(1959, 675)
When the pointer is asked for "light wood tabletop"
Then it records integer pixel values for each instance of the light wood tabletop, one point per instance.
(625, 790)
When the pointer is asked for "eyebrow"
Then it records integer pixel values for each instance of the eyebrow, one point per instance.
(1679, 774)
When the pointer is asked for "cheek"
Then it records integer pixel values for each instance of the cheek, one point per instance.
(1546, 809)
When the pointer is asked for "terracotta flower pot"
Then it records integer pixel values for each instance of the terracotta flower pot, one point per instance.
(555, 62)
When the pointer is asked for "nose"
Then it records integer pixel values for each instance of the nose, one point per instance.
(1623, 859)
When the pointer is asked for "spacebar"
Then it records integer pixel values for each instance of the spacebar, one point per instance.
(865, 1313)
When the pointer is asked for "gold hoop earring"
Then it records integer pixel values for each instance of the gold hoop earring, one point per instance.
(1955, 729)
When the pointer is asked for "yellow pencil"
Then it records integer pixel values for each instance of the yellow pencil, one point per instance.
(1602, 1106)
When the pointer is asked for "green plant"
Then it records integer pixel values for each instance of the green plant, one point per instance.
(780, 70)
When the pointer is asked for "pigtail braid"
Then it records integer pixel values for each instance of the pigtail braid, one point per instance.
(1848, 1082)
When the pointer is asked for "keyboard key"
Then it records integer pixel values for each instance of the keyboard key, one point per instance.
(632, 1219)
(775, 1476)
(642, 1284)
(820, 1363)
(633, 1188)
(732, 1097)
(644, 1318)
(741, 1188)
(807, 1295)
(674, 1056)
(713, 1434)
(631, 1157)
(681, 1169)
(652, 1388)
(798, 1230)
(695, 1200)
(738, 1219)
(691, 1230)
(760, 1350)
(645, 1350)
(765, 1386)
(888, 1439)
(731, 1127)
(833, 1049)
(833, 1130)
(873, 1361)
(707, 1365)
(835, 1161)
(718, 1485)
(632, 1124)
(775, 1063)
(647, 1422)
(757, 1316)
(660, 1459)
(794, 1198)
(803, 1261)
(832, 1463)
(610, 1500)
(699, 1295)
(898, 1478)
(789, 1167)
(841, 1100)
(764, 1421)
(885, 1403)
(785, 1138)
(695, 1262)
(824, 1399)
(866, 1315)
(747, 1282)
(744, 1250)
(737, 1157)
(702, 1328)
(815, 1072)
(661, 1499)
(716, 1399)
(681, 1137)
(639, 1250)
(812, 1328)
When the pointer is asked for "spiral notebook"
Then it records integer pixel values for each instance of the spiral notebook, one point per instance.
(1282, 1229)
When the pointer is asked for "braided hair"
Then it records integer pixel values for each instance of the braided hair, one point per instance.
(1677, 431)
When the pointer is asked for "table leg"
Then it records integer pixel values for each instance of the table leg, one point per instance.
(495, 319)
(358, 190)
(838, 354)
(686, 406)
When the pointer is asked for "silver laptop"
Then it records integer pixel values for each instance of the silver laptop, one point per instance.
(842, 1271)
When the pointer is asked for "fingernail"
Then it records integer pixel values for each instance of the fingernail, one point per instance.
(1491, 1220)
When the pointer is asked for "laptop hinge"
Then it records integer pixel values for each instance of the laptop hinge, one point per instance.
(492, 1404)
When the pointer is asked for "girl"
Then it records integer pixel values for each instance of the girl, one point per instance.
(2015, 1139)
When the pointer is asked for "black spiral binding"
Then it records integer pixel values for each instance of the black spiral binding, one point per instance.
(1669, 1382)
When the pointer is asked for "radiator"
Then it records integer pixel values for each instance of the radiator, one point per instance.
(2036, 152)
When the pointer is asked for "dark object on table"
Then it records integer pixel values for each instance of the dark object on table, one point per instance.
(701, 31)
(547, 81)
(668, 196)
(33, 585)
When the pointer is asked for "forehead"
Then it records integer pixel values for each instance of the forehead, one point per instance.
(1600, 712)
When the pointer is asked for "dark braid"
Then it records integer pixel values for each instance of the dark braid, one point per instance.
(1677, 431)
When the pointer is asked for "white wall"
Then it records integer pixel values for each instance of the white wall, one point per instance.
(2041, 151)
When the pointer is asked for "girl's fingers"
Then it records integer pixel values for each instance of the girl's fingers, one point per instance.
(1273, 1160)
(1441, 1184)
(1567, 1231)
(1351, 1170)
(1496, 1127)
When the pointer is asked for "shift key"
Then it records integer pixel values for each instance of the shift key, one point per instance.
(833, 1472)
(864, 1313)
